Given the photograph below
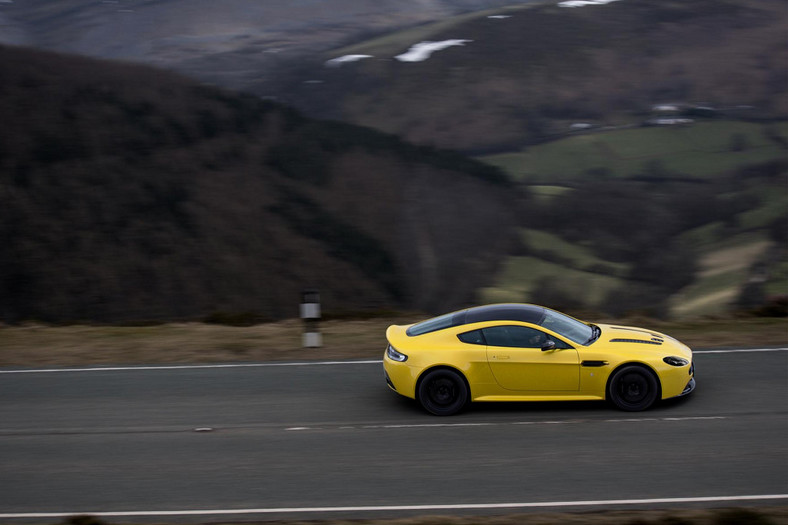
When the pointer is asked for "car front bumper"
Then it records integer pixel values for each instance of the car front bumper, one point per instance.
(689, 388)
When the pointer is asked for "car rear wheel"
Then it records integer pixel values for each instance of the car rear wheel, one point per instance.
(442, 392)
(633, 388)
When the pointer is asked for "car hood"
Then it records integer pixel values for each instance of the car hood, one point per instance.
(615, 335)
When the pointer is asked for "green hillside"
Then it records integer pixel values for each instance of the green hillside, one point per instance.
(635, 225)
(725, 268)
(130, 193)
(572, 104)
(702, 149)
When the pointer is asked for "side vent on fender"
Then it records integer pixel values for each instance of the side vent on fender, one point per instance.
(594, 364)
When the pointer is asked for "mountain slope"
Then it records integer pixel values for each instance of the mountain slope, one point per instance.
(131, 193)
(526, 78)
(232, 43)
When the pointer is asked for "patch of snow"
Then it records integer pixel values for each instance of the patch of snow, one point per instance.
(580, 126)
(422, 51)
(665, 107)
(670, 121)
(582, 3)
(336, 62)
(500, 17)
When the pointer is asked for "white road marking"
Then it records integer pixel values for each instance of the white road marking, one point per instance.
(519, 423)
(287, 363)
(376, 508)
(430, 425)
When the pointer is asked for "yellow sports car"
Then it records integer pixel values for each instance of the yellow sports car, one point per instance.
(524, 352)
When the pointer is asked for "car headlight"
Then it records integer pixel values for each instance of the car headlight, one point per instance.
(392, 354)
(676, 361)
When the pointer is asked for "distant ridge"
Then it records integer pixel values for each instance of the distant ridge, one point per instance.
(531, 76)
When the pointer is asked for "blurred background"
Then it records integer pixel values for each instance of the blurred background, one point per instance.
(192, 159)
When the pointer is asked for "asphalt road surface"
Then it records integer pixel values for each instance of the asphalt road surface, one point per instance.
(329, 440)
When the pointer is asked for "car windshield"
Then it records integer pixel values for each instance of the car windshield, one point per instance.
(568, 327)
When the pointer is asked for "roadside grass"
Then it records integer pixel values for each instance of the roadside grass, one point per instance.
(777, 515)
(37, 345)
(43, 345)
(700, 150)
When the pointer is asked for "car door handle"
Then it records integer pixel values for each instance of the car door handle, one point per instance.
(500, 357)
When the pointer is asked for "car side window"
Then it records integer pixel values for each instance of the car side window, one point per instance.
(473, 337)
(519, 337)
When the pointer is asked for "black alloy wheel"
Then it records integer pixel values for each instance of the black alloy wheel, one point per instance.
(442, 392)
(633, 388)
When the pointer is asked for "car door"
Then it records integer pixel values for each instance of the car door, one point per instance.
(518, 362)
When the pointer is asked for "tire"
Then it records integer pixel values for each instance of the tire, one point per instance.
(442, 392)
(633, 388)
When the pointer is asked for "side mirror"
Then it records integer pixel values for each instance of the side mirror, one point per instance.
(548, 345)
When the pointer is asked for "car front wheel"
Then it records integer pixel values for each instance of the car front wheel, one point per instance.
(633, 388)
(442, 392)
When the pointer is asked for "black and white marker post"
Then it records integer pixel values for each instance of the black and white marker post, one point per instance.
(310, 313)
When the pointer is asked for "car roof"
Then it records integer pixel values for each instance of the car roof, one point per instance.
(527, 313)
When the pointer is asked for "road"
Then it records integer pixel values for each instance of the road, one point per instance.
(286, 441)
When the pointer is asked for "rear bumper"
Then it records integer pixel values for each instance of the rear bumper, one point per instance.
(388, 381)
(400, 377)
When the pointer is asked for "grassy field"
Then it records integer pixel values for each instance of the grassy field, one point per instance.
(576, 256)
(41, 345)
(547, 192)
(700, 150)
(521, 275)
(722, 154)
(724, 267)
(36, 345)
(772, 208)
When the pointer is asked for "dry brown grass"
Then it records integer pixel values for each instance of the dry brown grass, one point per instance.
(36, 344)
(42, 345)
(749, 516)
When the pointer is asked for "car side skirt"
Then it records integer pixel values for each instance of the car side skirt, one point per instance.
(537, 397)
